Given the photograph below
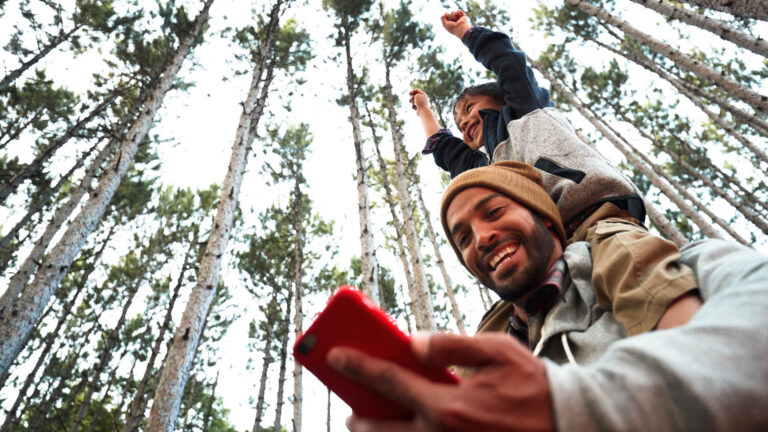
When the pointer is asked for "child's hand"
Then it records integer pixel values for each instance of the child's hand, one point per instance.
(418, 100)
(456, 23)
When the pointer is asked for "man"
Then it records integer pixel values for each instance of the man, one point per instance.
(707, 375)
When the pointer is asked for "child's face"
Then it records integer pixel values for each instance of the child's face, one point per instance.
(467, 115)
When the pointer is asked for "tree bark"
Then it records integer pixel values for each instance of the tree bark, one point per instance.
(721, 29)
(665, 227)
(369, 263)
(165, 406)
(754, 99)
(634, 160)
(298, 229)
(755, 9)
(139, 403)
(15, 328)
(396, 223)
(38, 162)
(11, 77)
(277, 426)
(457, 316)
(420, 295)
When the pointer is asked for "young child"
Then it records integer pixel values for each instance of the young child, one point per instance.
(513, 119)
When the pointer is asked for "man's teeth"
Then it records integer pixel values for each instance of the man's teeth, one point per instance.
(506, 251)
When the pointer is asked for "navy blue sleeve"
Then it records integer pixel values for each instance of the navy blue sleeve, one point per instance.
(495, 51)
(453, 155)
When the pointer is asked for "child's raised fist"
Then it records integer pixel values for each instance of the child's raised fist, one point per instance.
(456, 23)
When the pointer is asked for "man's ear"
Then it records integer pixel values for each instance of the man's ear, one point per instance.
(547, 223)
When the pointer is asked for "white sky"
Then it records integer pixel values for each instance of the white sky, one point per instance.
(202, 123)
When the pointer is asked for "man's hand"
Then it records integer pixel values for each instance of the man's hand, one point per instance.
(418, 100)
(456, 23)
(509, 391)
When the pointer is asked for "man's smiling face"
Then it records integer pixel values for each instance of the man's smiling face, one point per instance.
(502, 243)
(467, 116)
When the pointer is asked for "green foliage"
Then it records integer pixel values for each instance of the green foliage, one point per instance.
(290, 50)
(441, 81)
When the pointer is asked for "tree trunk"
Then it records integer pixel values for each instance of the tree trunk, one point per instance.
(37, 164)
(211, 401)
(40, 203)
(754, 99)
(271, 315)
(678, 84)
(391, 203)
(298, 316)
(30, 265)
(438, 256)
(420, 295)
(283, 358)
(369, 263)
(665, 227)
(139, 403)
(726, 32)
(31, 62)
(66, 310)
(680, 189)
(15, 329)
(167, 398)
(112, 338)
(659, 183)
(755, 9)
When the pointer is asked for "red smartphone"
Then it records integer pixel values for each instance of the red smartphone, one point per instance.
(353, 320)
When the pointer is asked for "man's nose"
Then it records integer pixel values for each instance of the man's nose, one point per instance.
(486, 237)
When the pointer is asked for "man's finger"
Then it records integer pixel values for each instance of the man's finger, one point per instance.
(387, 378)
(445, 349)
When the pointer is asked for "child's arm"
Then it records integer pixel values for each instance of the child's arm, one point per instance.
(420, 103)
(495, 51)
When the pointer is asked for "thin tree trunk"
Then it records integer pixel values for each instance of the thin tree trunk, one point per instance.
(211, 401)
(112, 337)
(391, 203)
(40, 203)
(642, 60)
(369, 263)
(680, 189)
(665, 227)
(754, 99)
(755, 9)
(66, 310)
(119, 408)
(298, 316)
(31, 62)
(438, 256)
(30, 265)
(103, 399)
(283, 358)
(689, 212)
(271, 316)
(484, 298)
(721, 29)
(139, 403)
(37, 164)
(167, 398)
(328, 412)
(15, 329)
(420, 295)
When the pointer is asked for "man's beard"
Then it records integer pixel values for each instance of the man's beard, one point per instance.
(539, 246)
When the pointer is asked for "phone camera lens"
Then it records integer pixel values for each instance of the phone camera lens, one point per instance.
(306, 344)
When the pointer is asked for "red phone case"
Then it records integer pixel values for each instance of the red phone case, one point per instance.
(351, 319)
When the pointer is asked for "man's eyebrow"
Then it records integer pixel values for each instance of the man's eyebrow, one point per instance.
(480, 203)
(485, 200)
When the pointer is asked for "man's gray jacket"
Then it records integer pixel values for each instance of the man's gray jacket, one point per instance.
(711, 374)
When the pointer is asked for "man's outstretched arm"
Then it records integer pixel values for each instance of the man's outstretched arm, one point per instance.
(509, 391)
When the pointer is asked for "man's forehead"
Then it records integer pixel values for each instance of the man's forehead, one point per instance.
(472, 198)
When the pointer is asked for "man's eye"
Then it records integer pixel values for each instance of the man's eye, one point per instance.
(495, 211)
(462, 240)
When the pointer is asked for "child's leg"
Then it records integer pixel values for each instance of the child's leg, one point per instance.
(637, 276)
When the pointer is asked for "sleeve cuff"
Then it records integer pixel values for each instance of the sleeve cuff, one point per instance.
(468, 34)
(434, 140)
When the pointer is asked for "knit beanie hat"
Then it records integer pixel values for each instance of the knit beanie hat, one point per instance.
(520, 182)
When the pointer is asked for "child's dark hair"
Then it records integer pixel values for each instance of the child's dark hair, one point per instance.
(491, 89)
